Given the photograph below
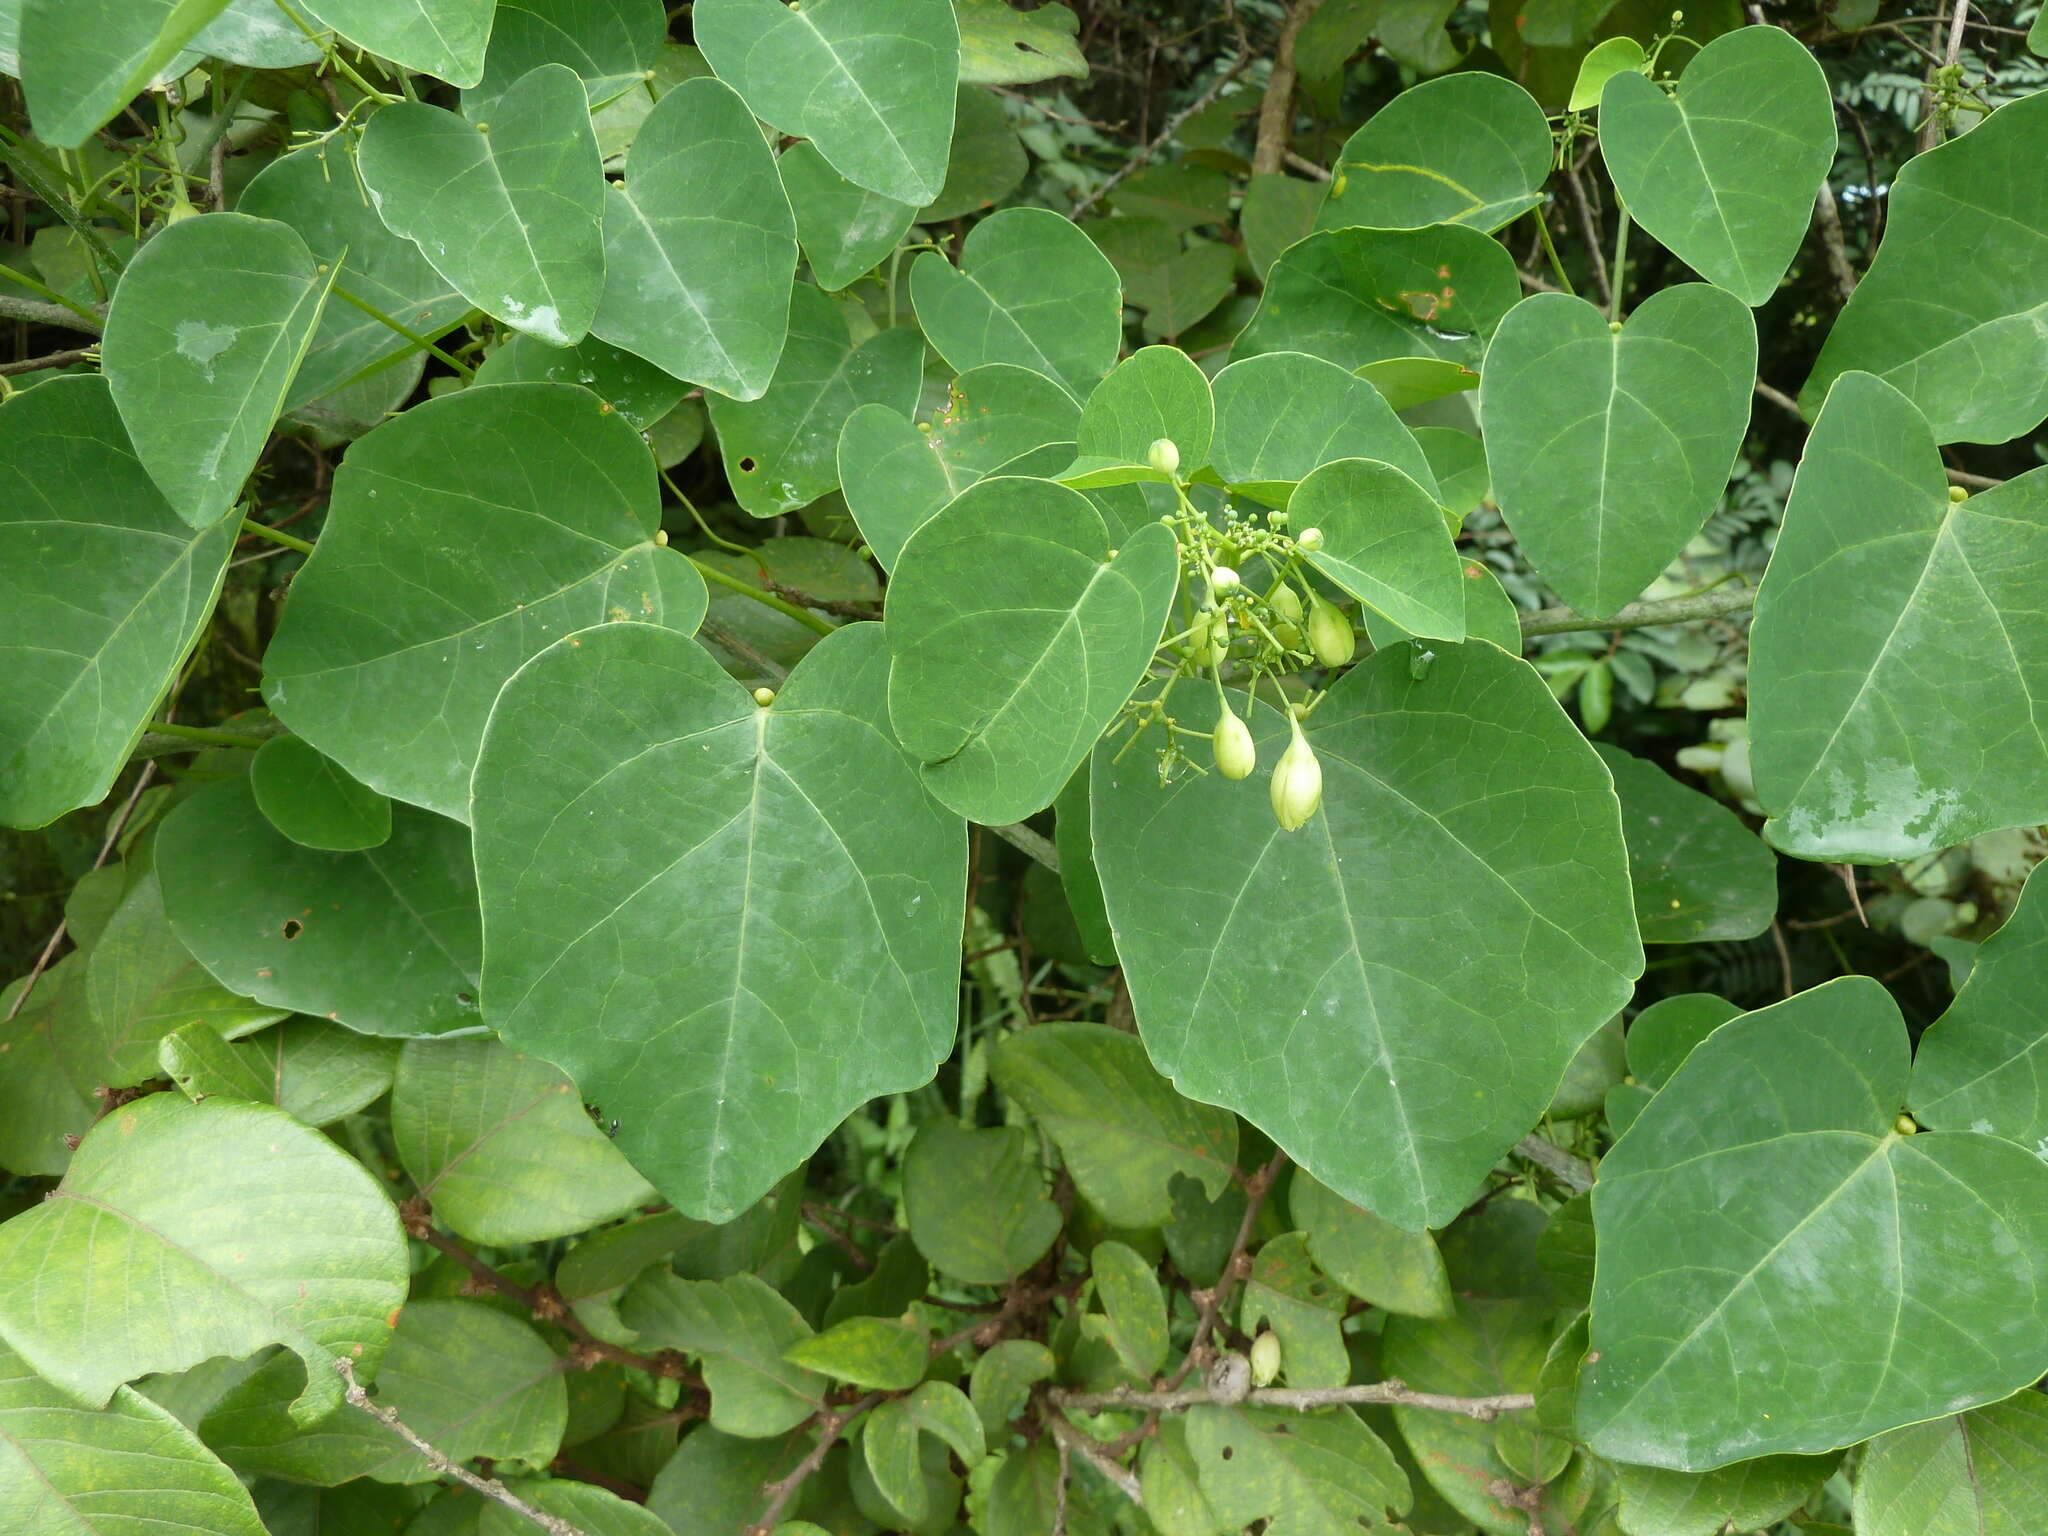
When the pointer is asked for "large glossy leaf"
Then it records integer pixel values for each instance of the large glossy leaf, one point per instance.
(183, 1231)
(1699, 873)
(1030, 289)
(384, 940)
(1610, 448)
(1952, 310)
(738, 1331)
(502, 1146)
(1723, 172)
(126, 1469)
(1461, 898)
(1282, 415)
(442, 38)
(407, 620)
(1895, 677)
(511, 212)
(871, 84)
(83, 60)
(699, 245)
(780, 449)
(206, 333)
(1386, 543)
(788, 893)
(611, 44)
(102, 590)
(1359, 296)
(1470, 148)
(1972, 1474)
(1016, 634)
(1898, 1277)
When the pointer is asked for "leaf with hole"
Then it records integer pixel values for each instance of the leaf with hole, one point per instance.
(1300, 1473)
(1001, 45)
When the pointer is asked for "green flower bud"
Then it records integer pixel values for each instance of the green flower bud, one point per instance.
(1164, 455)
(764, 696)
(1210, 641)
(1236, 754)
(1286, 602)
(1265, 1358)
(1310, 539)
(1297, 781)
(1330, 635)
(1223, 579)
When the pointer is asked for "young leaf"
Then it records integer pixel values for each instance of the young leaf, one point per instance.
(1609, 449)
(1971, 1474)
(1386, 543)
(738, 1332)
(314, 801)
(443, 38)
(1285, 1292)
(699, 245)
(1002, 1380)
(1157, 392)
(845, 229)
(879, 1353)
(1424, 854)
(870, 84)
(1133, 1306)
(511, 212)
(1471, 148)
(1015, 635)
(206, 333)
(315, 1071)
(1700, 874)
(183, 1231)
(1372, 1259)
(632, 800)
(1931, 1247)
(976, 1201)
(1280, 416)
(82, 678)
(1723, 172)
(83, 60)
(394, 680)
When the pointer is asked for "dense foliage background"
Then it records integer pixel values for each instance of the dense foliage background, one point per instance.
(585, 1040)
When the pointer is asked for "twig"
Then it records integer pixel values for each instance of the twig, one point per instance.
(1306, 166)
(1300, 1399)
(1276, 107)
(1031, 844)
(52, 360)
(1975, 482)
(1715, 603)
(1072, 1440)
(36, 312)
(803, 599)
(1828, 219)
(831, 1425)
(1575, 1171)
(1785, 959)
(1159, 141)
(1930, 128)
(734, 646)
(1781, 400)
(489, 1487)
(1589, 231)
(1211, 1305)
(814, 1216)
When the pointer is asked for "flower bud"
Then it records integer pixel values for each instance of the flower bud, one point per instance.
(1211, 640)
(1330, 635)
(764, 696)
(1265, 1358)
(1222, 579)
(1297, 781)
(1236, 754)
(1164, 455)
(1310, 539)
(1286, 602)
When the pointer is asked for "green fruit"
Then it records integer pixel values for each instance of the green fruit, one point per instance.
(1236, 754)
(1286, 602)
(1297, 781)
(1265, 1358)
(1208, 646)
(1164, 455)
(1330, 635)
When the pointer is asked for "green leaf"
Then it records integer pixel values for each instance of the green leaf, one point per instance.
(641, 392)
(207, 329)
(1372, 1259)
(986, 163)
(712, 1485)
(1280, 416)
(1344, 1056)
(612, 45)
(900, 1277)
(314, 1071)
(1079, 883)
(442, 38)
(83, 60)
(1457, 459)
(1890, 699)
(976, 1201)
(1015, 635)
(1286, 1292)
(1171, 1484)
(1665, 1033)
(394, 681)
(1000, 45)
(510, 212)
(314, 801)
(384, 940)
(891, 1442)
(780, 450)
(746, 1029)
(699, 245)
(1961, 224)
(1930, 1246)
(183, 1231)
(1360, 296)
(354, 1509)
(738, 1331)
(1972, 1474)
(315, 191)
(1601, 64)
(1175, 287)
(1980, 1065)
(897, 473)
(592, 1510)
(1699, 873)
(1385, 542)
(1471, 148)
(39, 1107)
(1310, 1474)
(1157, 392)
(1031, 289)
(1596, 1069)
(82, 677)
(846, 230)
(871, 85)
(1133, 1306)
(1723, 172)
(502, 1146)
(128, 1468)
(1002, 1380)
(1744, 1497)
(874, 1352)
(1277, 211)
(1610, 448)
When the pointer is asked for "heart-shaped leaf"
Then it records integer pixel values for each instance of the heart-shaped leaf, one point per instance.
(845, 229)
(611, 44)
(1700, 874)
(1961, 223)
(1157, 393)
(83, 678)
(699, 245)
(1723, 173)
(1385, 542)
(1016, 634)
(705, 833)
(1471, 148)
(1892, 705)
(512, 211)
(207, 329)
(870, 82)
(1344, 1055)
(1610, 448)
(1031, 289)
(393, 681)
(1912, 1264)
(1280, 416)
(83, 60)
(442, 38)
